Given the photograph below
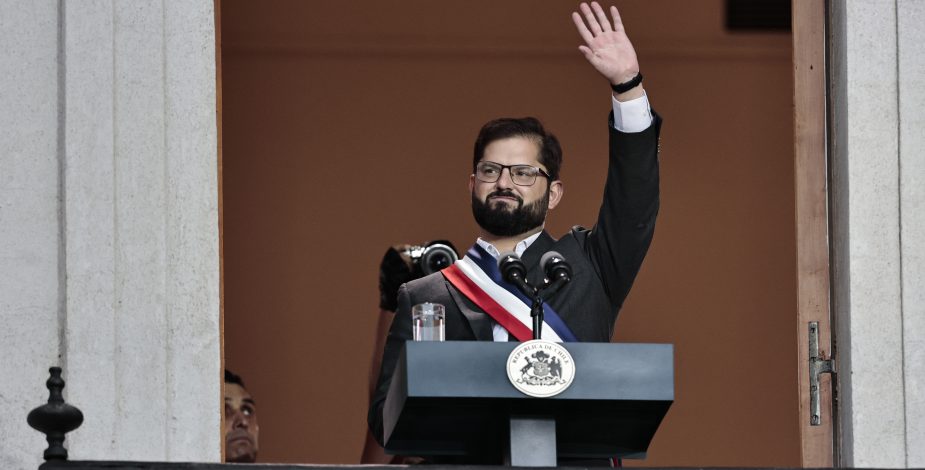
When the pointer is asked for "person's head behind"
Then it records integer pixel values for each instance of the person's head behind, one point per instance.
(510, 201)
(241, 428)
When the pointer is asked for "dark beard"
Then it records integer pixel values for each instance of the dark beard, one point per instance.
(505, 222)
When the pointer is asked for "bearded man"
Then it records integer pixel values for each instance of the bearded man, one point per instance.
(515, 182)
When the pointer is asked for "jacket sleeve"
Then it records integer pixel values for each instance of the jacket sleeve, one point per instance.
(399, 332)
(621, 237)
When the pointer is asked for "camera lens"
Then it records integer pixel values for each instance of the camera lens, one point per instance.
(437, 257)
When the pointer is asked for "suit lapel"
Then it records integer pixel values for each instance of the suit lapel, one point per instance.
(532, 256)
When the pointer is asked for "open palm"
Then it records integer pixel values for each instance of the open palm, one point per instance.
(607, 47)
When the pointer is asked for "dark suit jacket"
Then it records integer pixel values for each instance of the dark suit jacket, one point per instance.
(604, 262)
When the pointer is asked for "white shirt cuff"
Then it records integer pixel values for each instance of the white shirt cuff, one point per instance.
(633, 115)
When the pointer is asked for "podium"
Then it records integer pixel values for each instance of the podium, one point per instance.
(454, 399)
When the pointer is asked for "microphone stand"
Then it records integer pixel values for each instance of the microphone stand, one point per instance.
(547, 291)
(536, 295)
(536, 311)
(518, 277)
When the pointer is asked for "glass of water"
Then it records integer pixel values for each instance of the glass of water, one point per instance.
(427, 322)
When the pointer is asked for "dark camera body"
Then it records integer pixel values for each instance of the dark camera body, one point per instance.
(431, 257)
(403, 263)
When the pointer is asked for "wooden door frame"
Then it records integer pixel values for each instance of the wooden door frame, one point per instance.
(812, 222)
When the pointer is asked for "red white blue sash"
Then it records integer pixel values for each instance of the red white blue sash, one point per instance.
(477, 277)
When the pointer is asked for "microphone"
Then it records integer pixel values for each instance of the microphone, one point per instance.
(558, 272)
(514, 270)
(555, 267)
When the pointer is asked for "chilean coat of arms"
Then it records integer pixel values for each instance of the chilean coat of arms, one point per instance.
(540, 368)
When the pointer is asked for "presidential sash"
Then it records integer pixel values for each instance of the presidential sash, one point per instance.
(477, 277)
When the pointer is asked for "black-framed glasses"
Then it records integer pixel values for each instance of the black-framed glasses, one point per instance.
(521, 175)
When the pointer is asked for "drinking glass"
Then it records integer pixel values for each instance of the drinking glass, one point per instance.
(427, 321)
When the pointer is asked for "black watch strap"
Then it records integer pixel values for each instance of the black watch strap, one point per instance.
(627, 86)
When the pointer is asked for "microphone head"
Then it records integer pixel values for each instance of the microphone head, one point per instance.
(554, 265)
(511, 266)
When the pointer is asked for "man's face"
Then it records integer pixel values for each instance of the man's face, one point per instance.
(503, 208)
(241, 429)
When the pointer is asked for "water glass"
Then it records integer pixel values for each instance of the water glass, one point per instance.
(427, 322)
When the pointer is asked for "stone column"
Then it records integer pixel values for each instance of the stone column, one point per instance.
(879, 230)
(911, 69)
(31, 307)
(119, 228)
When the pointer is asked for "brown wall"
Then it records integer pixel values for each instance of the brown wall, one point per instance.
(348, 127)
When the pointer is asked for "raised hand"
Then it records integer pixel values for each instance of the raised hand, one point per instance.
(606, 47)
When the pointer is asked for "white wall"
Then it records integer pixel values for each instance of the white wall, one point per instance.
(30, 269)
(110, 223)
(879, 229)
(911, 70)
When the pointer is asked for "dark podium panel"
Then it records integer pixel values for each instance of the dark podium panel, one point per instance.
(454, 398)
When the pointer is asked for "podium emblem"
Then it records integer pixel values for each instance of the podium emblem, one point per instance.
(540, 368)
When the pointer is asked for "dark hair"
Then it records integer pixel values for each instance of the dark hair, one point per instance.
(232, 378)
(529, 127)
